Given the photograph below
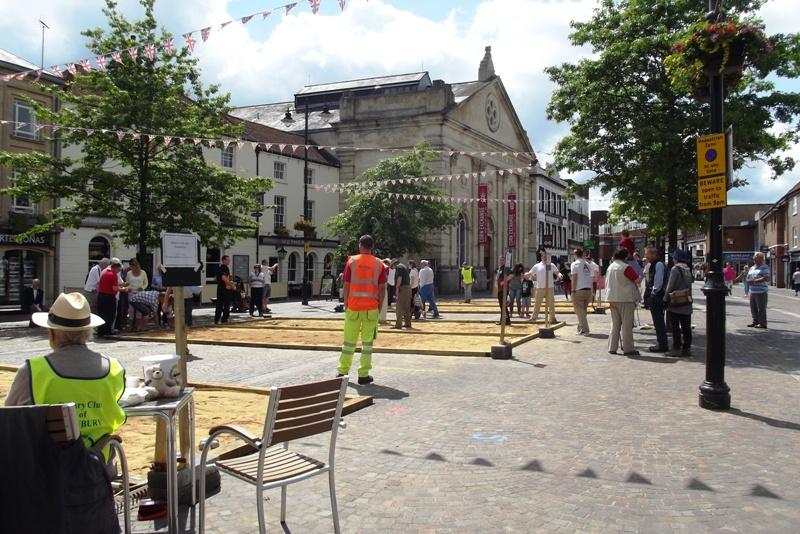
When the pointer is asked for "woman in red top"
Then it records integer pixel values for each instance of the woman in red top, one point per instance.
(107, 290)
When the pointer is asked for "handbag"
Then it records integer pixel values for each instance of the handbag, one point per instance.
(681, 297)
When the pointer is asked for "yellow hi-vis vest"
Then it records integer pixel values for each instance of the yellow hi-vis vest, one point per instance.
(96, 399)
(364, 294)
(466, 275)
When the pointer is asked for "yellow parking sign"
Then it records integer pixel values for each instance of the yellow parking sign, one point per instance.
(711, 155)
(712, 192)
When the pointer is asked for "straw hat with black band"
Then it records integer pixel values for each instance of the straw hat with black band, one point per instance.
(70, 312)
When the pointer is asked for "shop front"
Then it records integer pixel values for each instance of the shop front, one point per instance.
(22, 261)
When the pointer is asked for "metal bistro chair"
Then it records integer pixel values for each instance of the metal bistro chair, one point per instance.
(293, 412)
(62, 427)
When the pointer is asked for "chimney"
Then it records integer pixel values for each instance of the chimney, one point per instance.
(486, 70)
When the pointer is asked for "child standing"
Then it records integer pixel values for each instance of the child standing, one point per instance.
(527, 286)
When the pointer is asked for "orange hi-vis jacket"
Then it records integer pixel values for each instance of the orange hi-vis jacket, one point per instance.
(364, 293)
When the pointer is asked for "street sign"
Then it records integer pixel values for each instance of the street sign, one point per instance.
(588, 243)
(712, 192)
(763, 249)
(547, 240)
(711, 155)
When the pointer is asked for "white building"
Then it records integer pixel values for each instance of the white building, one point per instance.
(81, 247)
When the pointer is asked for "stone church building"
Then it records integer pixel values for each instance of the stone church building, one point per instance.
(403, 110)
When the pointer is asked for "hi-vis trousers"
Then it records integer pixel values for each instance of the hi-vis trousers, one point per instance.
(365, 324)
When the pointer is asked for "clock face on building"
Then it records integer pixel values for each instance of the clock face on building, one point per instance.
(492, 113)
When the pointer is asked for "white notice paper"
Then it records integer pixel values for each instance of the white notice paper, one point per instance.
(179, 250)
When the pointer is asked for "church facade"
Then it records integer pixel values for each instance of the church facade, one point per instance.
(476, 117)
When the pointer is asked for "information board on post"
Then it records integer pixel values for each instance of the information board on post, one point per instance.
(180, 259)
(712, 171)
(512, 221)
(483, 194)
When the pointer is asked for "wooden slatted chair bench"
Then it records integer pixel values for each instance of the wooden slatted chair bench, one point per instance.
(293, 412)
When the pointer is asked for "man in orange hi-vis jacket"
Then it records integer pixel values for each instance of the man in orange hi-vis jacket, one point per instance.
(364, 290)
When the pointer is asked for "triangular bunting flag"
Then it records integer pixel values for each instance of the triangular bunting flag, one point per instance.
(245, 20)
(133, 52)
(289, 7)
(71, 68)
(120, 136)
(254, 144)
(86, 66)
(197, 141)
(211, 143)
(101, 63)
(150, 51)
(136, 135)
(6, 78)
(189, 42)
(342, 3)
(204, 33)
(116, 56)
(56, 71)
(281, 147)
(225, 144)
(239, 144)
(168, 47)
(314, 6)
(222, 26)
(266, 14)
(167, 139)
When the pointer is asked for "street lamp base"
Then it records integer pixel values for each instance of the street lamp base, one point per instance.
(715, 396)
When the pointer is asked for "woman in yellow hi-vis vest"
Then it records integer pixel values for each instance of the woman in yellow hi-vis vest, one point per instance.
(364, 290)
(73, 372)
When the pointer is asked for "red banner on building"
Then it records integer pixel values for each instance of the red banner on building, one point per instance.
(512, 221)
(483, 194)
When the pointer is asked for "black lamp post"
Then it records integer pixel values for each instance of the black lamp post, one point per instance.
(289, 120)
(714, 392)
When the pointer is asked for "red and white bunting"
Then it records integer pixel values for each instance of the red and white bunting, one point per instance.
(22, 75)
(116, 56)
(268, 146)
(167, 140)
(245, 20)
(222, 26)
(150, 51)
(133, 52)
(197, 141)
(136, 135)
(7, 77)
(86, 66)
(342, 3)
(314, 6)
(101, 63)
(204, 33)
(281, 147)
(210, 143)
(265, 14)
(168, 46)
(71, 68)
(89, 132)
(289, 7)
(189, 42)
(120, 136)
(225, 144)
(254, 145)
(239, 144)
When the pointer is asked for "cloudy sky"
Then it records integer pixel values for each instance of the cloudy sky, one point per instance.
(269, 60)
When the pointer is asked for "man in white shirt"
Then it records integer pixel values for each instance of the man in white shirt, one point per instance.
(92, 279)
(595, 273)
(414, 275)
(390, 286)
(268, 272)
(582, 283)
(544, 274)
(426, 289)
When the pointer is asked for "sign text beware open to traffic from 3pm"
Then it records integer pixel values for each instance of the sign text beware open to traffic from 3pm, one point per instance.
(712, 183)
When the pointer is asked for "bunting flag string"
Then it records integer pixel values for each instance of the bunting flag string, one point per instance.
(463, 200)
(122, 134)
(149, 49)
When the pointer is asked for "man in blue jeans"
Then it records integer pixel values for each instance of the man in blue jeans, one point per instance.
(426, 289)
(656, 283)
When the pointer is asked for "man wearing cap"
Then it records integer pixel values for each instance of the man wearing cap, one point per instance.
(364, 290)
(467, 279)
(108, 288)
(72, 372)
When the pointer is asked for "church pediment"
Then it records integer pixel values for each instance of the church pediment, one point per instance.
(486, 108)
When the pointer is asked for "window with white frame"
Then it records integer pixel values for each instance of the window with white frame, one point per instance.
(311, 261)
(794, 206)
(541, 199)
(280, 212)
(20, 204)
(309, 176)
(327, 265)
(279, 170)
(794, 236)
(308, 211)
(227, 157)
(24, 120)
(291, 269)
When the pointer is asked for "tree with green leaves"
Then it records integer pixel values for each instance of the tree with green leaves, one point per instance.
(633, 131)
(399, 226)
(145, 181)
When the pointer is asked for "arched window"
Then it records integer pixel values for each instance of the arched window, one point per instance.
(311, 259)
(291, 269)
(99, 248)
(327, 265)
(461, 239)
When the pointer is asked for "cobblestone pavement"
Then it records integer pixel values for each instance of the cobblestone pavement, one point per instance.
(564, 438)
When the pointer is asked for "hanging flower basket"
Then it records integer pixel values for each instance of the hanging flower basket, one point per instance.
(712, 48)
(308, 228)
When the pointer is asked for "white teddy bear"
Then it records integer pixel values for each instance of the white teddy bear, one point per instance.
(159, 385)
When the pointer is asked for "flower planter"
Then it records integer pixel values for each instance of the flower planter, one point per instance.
(713, 63)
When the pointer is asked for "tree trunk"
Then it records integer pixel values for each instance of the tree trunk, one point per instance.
(144, 195)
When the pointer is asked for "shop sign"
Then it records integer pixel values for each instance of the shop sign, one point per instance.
(38, 240)
(483, 194)
(512, 221)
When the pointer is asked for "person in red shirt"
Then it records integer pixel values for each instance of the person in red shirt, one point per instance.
(107, 290)
(627, 243)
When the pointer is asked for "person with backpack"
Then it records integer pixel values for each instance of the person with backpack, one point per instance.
(678, 298)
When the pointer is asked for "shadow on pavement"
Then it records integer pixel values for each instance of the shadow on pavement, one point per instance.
(380, 392)
(778, 423)
(654, 359)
